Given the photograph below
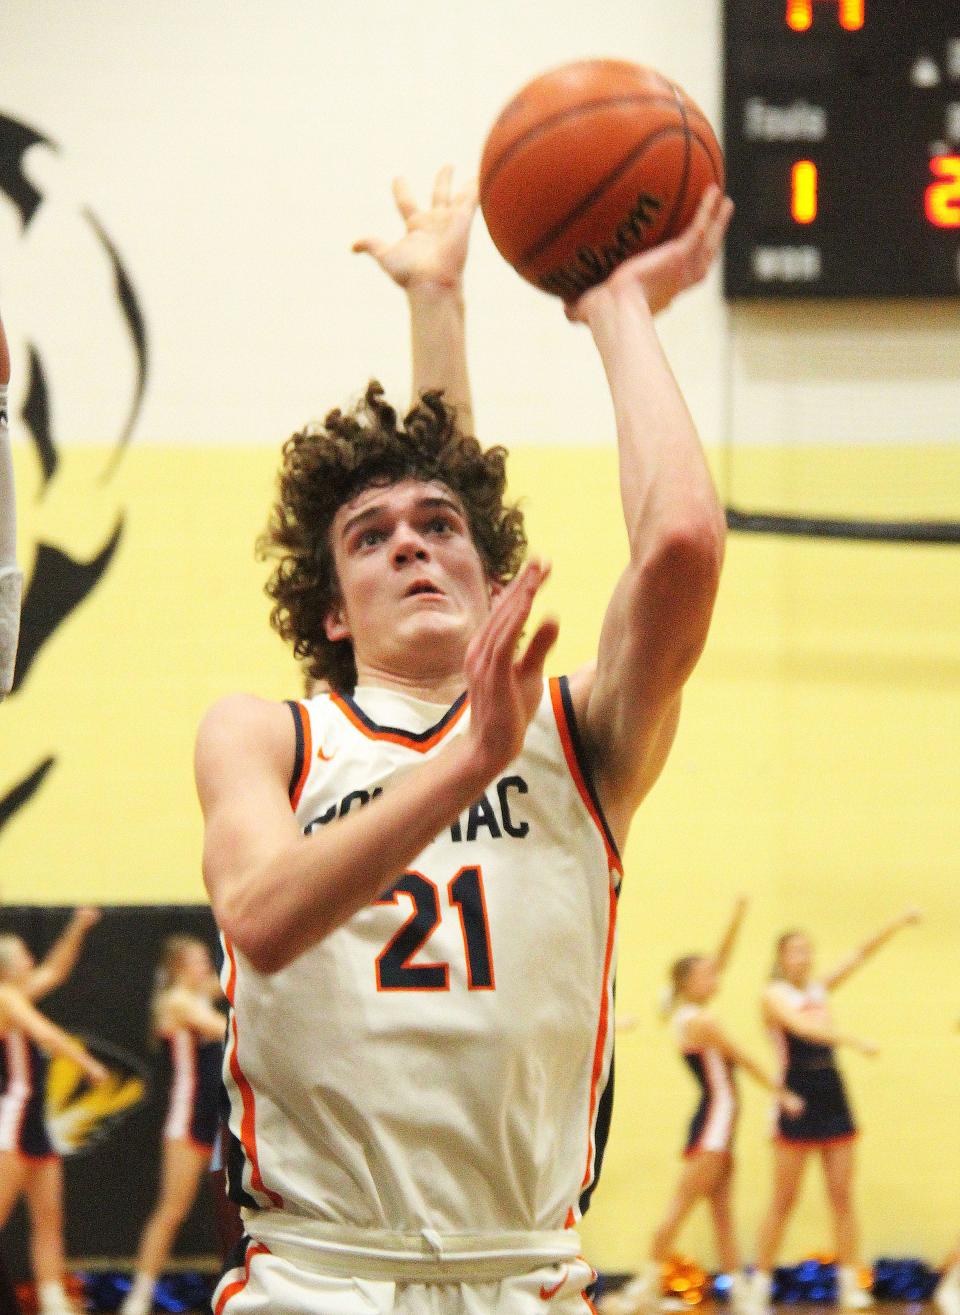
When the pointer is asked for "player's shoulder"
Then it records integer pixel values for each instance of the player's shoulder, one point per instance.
(241, 716)
(238, 727)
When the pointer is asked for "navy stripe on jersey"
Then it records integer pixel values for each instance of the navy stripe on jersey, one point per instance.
(299, 751)
(600, 1135)
(417, 736)
(582, 760)
(235, 1163)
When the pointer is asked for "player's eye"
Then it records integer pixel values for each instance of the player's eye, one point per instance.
(370, 538)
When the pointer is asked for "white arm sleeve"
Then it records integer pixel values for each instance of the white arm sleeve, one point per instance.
(11, 581)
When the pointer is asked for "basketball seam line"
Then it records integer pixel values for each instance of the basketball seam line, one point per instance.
(582, 206)
(685, 176)
(545, 125)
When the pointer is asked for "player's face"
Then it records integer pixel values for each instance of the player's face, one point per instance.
(796, 959)
(412, 586)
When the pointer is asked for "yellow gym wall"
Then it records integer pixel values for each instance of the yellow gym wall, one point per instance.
(814, 771)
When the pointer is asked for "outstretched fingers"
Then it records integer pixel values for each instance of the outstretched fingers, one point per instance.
(531, 663)
(372, 246)
(404, 199)
(496, 643)
(441, 186)
(704, 237)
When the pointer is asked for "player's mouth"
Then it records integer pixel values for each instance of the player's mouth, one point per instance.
(424, 588)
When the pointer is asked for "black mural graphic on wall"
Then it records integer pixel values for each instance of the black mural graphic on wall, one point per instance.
(57, 582)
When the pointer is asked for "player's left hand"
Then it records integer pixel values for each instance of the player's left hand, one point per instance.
(432, 252)
(668, 269)
(505, 687)
(87, 917)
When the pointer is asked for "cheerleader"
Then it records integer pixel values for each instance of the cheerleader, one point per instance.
(712, 1057)
(797, 1015)
(183, 1018)
(947, 1294)
(29, 1162)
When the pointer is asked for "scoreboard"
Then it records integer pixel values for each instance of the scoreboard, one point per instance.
(842, 142)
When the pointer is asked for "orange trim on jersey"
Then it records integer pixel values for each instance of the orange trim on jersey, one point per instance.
(394, 736)
(573, 765)
(248, 1132)
(301, 781)
(601, 1036)
(231, 1290)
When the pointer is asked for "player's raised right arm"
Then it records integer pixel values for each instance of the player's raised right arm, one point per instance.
(276, 892)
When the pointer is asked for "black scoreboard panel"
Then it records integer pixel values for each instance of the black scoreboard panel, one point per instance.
(842, 141)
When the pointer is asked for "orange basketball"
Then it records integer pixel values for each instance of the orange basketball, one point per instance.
(589, 164)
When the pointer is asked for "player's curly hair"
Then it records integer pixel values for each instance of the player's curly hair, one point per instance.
(324, 465)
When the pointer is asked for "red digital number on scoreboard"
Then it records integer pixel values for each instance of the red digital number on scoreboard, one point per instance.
(942, 199)
(850, 14)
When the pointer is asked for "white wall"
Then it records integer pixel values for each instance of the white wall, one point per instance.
(234, 149)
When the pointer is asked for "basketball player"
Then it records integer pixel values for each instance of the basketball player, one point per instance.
(712, 1058)
(184, 1018)
(11, 581)
(417, 873)
(29, 1162)
(797, 1015)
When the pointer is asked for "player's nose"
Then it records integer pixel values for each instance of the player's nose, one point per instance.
(409, 546)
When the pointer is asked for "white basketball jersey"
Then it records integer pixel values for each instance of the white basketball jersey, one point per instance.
(444, 1059)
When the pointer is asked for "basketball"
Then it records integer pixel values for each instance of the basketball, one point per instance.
(589, 164)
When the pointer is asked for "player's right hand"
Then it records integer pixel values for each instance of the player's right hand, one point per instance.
(666, 270)
(505, 689)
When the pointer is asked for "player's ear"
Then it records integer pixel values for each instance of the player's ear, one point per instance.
(335, 625)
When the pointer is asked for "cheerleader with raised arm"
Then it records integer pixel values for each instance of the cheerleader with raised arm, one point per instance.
(712, 1057)
(185, 1019)
(29, 1162)
(797, 1014)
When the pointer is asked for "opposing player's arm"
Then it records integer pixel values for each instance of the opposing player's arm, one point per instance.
(182, 1008)
(275, 892)
(778, 1011)
(427, 261)
(657, 620)
(61, 959)
(707, 1031)
(18, 1012)
(846, 967)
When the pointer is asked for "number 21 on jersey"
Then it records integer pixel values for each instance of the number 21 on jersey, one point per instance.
(395, 972)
